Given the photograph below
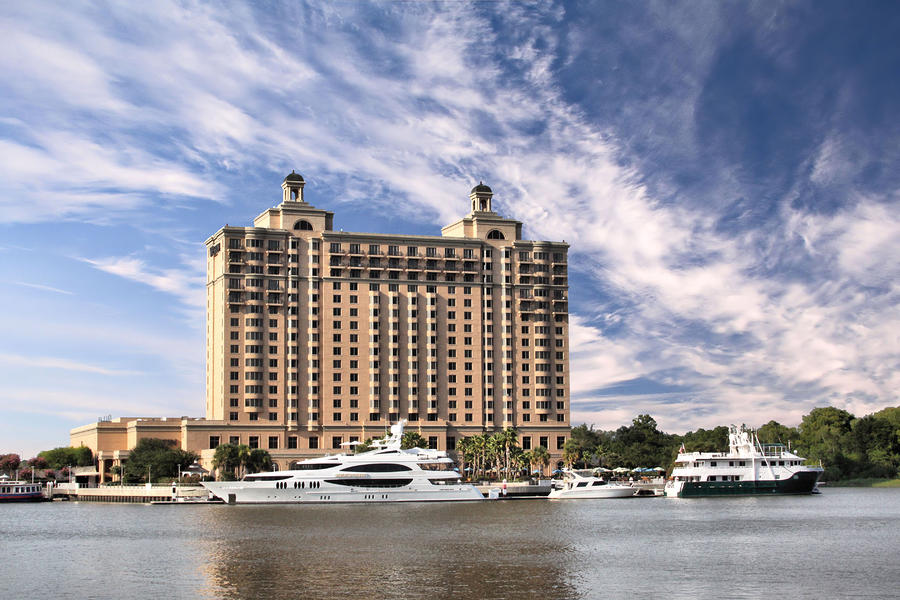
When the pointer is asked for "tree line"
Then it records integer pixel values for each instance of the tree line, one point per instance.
(847, 447)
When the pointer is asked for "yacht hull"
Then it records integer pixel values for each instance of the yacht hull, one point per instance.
(240, 494)
(803, 482)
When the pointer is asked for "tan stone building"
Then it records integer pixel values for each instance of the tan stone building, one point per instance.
(317, 337)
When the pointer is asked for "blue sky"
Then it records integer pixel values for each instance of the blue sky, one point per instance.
(725, 172)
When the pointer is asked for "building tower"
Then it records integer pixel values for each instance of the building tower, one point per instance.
(317, 337)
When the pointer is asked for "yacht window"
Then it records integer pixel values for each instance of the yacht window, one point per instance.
(377, 468)
(266, 477)
(436, 466)
(582, 484)
(312, 466)
(370, 483)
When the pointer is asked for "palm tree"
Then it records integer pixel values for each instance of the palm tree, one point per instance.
(510, 441)
(463, 450)
(496, 444)
(479, 449)
(541, 456)
(243, 452)
(257, 460)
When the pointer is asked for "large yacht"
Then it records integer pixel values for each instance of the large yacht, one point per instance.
(748, 468)
(386, 473)
(577, 484)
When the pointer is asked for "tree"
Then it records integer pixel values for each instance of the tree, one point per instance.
(9, 463)
(823, 436)
(258, 460)
(412, 439)
(542, 457)
(67, 456)
(153, 457)
(226, 458)
(774, 432)
(38, 462)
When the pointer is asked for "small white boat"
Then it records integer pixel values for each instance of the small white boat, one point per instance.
(584, 485)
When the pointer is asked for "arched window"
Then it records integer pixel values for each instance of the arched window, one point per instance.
(303, 225)
(495, 234)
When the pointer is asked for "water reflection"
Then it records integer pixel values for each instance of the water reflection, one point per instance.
(389, 551)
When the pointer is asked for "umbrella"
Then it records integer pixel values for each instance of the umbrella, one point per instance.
(657, 469)
(557, 471)
(621, 470)
(603, 470)
(535, 471)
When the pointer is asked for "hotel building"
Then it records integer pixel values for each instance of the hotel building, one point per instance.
(318, 337)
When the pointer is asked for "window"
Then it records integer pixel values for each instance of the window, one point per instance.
(254, 441)
(273, 442)
(313, 442)
(213, 441)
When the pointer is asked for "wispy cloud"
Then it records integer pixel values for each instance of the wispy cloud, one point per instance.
(704, 262)
(49, 362)
(46, 288)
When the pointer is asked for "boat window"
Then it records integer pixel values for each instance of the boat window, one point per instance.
(312, 466)
(712, 463)
(377, 468)
(370, 483)
(582, 484)
(436, 466)
(266, 477)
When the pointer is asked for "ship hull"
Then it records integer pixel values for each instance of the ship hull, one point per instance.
(236, 494)
(800, 483)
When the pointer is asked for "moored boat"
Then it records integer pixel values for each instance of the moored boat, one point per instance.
(747, 469)
(577, 484)
(386, 473)
(19, 491)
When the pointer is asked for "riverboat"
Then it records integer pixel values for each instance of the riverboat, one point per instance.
(386, 473)
(747, 469)
(19, 491)
(577, 484)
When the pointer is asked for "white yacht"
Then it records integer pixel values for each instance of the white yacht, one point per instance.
(748, 468)
(386, 473)
(584, 485)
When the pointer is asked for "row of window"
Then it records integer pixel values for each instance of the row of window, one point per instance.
(337, 441)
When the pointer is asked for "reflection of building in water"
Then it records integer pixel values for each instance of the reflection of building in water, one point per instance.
(317, 337)
(439, 550)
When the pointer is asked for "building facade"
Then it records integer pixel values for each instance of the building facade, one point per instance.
(318, 338)
(330, 336)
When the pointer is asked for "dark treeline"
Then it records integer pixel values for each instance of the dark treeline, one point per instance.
(848, 447)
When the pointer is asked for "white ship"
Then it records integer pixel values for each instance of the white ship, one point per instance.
(386, 473)
(747, 469)
(582, 485)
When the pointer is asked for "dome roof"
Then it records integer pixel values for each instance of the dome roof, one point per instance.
(294, 177)
(481, 188)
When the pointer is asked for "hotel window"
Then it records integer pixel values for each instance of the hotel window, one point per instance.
(213, 442)
(234, 440)
(432, 442)
(313, 442)
(292, 442)
(273, 442)
(254, 441)
(336, 416)
(526, 443)
(560, 442)
(232, 416)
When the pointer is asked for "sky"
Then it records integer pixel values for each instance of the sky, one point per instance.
(725, 172)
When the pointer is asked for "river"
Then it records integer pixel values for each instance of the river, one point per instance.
(839, 544)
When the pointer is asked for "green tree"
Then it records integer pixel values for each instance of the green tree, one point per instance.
(156, 458)
(226, 459)
(774, 432)
(706, 440)
(257, 460)
(542, 457)
(824, 436)
(412, 439)
(67, 456)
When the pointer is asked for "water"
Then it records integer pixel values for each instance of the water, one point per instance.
(840, 544)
